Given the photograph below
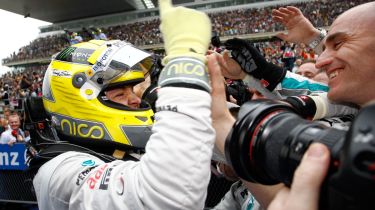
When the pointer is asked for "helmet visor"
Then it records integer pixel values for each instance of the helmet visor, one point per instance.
(116, 60)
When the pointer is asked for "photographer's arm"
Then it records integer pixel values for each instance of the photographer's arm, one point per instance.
(222, 120)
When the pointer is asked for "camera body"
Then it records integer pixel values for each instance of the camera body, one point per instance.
(238, 90)
(268, 141)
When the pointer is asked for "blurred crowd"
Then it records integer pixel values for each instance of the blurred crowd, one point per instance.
(225, 23)
(16, 85)
(42, 47)
(259, 20)
(285, 54)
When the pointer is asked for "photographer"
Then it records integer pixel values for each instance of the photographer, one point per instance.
(348, 61)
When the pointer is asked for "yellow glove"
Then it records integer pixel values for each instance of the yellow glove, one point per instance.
(186, 33)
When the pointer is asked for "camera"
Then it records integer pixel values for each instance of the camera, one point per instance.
(269, 139)
(238, 90)
(216, 43)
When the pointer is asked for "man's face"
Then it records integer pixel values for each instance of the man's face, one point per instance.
(298, 62)
(14, 122)
(349, 57)
(307, 70)
(124, 96)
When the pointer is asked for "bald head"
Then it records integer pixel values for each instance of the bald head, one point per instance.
(366, 9)
(307, 70)
(358, 17)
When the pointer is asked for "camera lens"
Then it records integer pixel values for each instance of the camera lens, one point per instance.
(268, 141)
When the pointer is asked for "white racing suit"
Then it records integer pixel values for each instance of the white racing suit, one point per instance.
(173, 173)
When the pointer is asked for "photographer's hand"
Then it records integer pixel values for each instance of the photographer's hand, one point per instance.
(308, 178)
(300, 29)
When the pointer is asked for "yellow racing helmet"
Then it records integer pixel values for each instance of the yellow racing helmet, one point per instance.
(73, 94)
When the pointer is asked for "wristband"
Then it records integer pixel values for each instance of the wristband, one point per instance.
(317, 40)
(185, 72)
